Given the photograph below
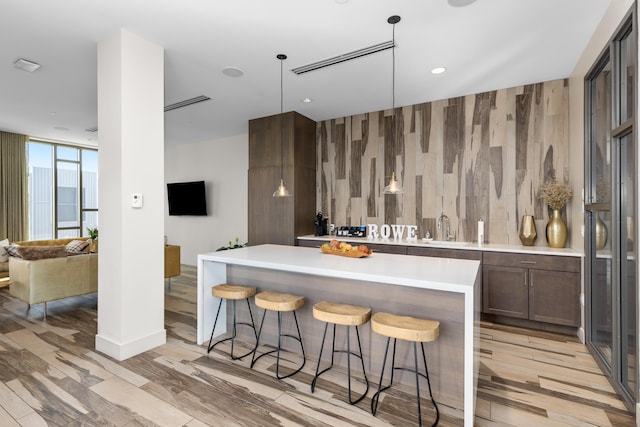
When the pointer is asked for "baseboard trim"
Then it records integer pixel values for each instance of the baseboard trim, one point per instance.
(123, 351)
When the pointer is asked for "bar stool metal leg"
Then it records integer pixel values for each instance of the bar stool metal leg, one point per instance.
(233, 333)
(349, 354)
(376, 397)
(426, 369)
(298, 338)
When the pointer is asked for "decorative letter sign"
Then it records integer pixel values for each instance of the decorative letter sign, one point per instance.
(386, 231)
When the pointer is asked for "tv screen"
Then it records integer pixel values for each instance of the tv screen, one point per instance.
(187, 198)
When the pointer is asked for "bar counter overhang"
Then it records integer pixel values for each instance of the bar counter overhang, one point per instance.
(443, 289)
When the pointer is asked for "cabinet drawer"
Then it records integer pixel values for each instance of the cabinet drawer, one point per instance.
(387, 249)
(445, 253)
(310, 243)
(541, 262)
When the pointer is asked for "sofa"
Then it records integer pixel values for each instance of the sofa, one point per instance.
(60, 274)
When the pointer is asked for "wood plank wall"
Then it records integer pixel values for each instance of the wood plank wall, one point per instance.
(481, 156)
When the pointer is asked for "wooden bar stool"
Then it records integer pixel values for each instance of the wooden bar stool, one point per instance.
(408, 329)
(279, 302)
(346, 315)
(234, 293)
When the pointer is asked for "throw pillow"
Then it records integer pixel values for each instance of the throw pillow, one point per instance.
(41, 252)
(4, 256)
(12, 250)
(77, 246)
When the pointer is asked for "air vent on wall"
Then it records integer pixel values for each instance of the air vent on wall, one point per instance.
(344, 57)
(186, 102)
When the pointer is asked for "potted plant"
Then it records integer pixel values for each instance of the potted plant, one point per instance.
(232, 245)
(556, 194)
(93, 239)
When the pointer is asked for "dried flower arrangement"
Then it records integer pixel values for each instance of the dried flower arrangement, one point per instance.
(555, 194)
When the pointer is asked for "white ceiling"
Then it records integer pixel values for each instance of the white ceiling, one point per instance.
(486, 45)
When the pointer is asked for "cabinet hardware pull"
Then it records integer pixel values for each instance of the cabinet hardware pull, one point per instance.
(527, 262)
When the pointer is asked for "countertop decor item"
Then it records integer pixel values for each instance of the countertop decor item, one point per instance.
(232, 245)
(556, 230)
(601, 233)
(335, 247)
(528, 232)
(556, 195)
(394, 186)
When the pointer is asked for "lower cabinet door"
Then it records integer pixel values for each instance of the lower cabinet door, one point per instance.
(505, 291)
(554, 297)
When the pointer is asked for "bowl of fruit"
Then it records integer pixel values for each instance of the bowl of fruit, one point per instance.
(336, 247)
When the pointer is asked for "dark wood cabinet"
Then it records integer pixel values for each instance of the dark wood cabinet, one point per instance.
(505, 291)
(542, 288)
(284, 146)
(523, 289)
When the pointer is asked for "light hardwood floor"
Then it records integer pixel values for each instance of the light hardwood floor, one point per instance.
(50, 374)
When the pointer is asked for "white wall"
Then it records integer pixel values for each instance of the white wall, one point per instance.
(223, 165)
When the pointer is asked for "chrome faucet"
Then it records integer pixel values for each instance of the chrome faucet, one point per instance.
(444, 227)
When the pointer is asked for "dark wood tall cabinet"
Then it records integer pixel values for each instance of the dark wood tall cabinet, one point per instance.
(284, 142)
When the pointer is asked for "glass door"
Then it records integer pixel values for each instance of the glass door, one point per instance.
(598, 212)
(610, 212)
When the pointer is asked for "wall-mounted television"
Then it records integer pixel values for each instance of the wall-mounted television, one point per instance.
(187, 198)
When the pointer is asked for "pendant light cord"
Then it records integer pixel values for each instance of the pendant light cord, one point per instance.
(281, 57)
(281, 118)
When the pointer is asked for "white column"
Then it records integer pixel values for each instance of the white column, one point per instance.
(131, 161)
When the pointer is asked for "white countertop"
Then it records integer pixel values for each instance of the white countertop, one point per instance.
(489, 247)
(446, 274)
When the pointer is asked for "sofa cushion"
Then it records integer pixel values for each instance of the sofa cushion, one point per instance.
(4, 256)
(77, 246)
(12, 250)
(41, 252)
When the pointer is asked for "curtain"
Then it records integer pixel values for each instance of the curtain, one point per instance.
(13, 187)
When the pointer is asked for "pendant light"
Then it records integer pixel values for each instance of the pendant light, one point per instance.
(281, 191)
(394, 186)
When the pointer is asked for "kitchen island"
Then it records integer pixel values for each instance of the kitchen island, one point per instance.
(440, 289)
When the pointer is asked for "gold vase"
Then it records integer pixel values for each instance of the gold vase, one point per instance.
(601, 233)
(93, 246)
(528, 232)
(556, 230)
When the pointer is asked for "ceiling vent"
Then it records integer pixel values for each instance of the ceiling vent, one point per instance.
(169, 107)
(186, 102)
(344, 57)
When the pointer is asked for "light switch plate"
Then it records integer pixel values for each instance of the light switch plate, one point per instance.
(136, 200)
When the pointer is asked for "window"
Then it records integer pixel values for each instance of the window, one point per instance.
(63, 190)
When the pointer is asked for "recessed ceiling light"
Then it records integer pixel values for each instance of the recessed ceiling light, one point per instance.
(52, 113)
(306, 100)
(341, 1)
(61, 128)
(232, 72)
(438, 70)
(25, 65)
(460, 3)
